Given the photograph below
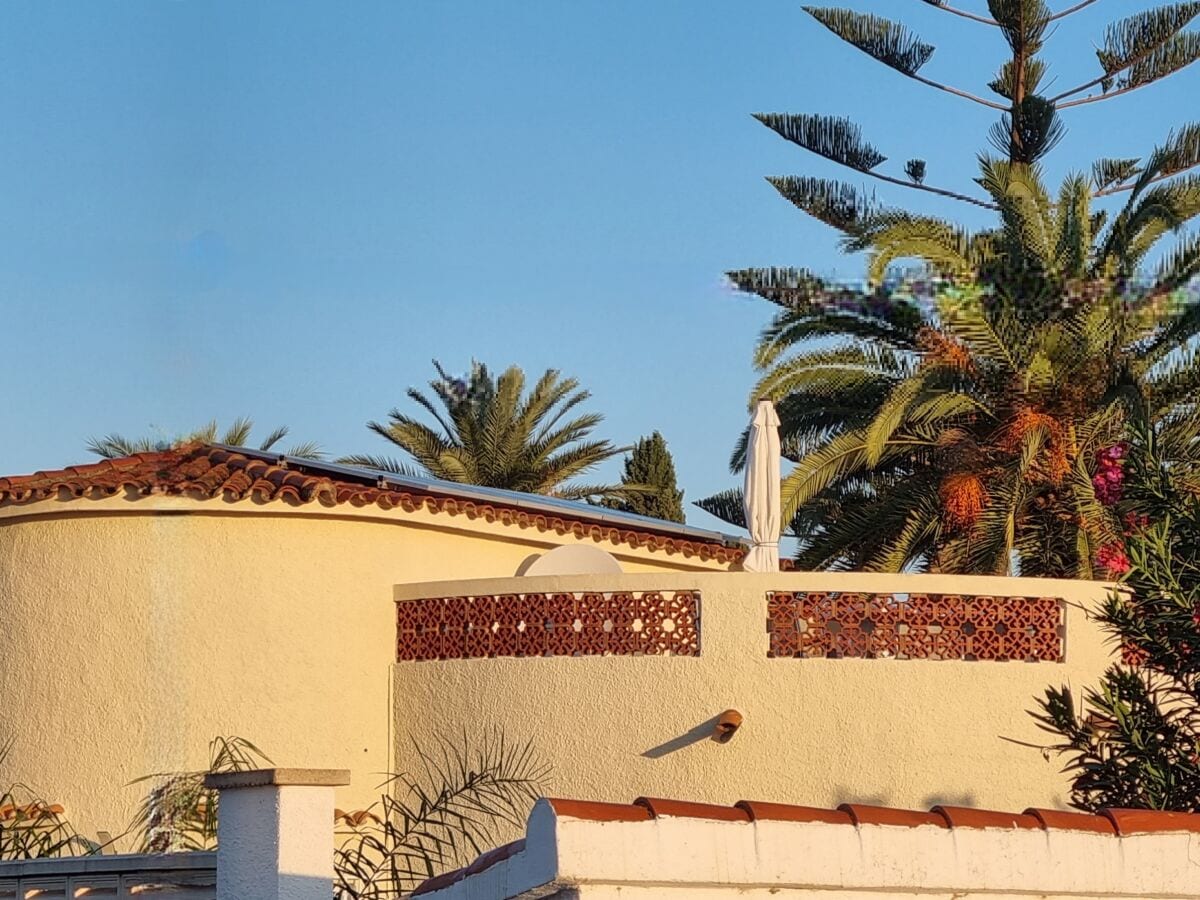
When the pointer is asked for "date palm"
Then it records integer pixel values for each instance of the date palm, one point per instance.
(948, 433)
(112, 446)
(490, 431)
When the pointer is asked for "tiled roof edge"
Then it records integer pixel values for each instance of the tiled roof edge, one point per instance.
(1104, 821)
(208, 471)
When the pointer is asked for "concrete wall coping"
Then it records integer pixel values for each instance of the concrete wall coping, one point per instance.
(760, 582)
(224, 781)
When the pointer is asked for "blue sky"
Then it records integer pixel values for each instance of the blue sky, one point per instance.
(285, 211)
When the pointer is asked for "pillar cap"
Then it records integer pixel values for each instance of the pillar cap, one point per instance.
(277, 777)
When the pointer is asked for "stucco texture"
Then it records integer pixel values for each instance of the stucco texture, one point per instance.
(136, 631)
(905, 733)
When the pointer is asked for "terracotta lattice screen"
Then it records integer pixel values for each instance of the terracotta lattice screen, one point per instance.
(914, 626)
(658, 623)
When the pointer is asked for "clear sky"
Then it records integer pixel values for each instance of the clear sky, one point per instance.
(286, 210)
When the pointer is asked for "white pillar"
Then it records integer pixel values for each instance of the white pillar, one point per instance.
(275, 833)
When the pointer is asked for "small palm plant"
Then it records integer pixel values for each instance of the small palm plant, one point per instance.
(180, 813)
(458, 807)
(30, 827)
(489, 431)
(113, 446)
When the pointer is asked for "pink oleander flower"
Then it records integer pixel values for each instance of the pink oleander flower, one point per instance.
(1112, 558)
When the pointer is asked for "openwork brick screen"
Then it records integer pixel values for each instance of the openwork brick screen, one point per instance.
(914, 626)
(658, 623)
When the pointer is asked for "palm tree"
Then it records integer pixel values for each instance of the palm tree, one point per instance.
(112, 446)
(489, 432)
(948, 433)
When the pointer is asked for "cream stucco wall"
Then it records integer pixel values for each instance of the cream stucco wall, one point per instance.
(906, 733)
(134, 631)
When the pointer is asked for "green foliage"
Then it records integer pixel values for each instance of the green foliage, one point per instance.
(489, 431)
(650, 468)
(451, 811)
(1030, 131)
(1136, 51)
(1148, 46)
(834, 138)
(887, 41)
(1134, 742)
(946, 431)
(31, 827)
(180, 813)
(113, 446)
(839, 205)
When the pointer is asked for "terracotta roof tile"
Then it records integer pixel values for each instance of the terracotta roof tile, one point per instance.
(863, 814)
(683, 809)
(1112, 822)
(1072, 821)
(785, 812)
(207, 472)
(1106, 821)
(1145, 821)
(600, 812)
(966, 817)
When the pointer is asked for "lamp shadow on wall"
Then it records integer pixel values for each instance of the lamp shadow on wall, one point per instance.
(701, 732)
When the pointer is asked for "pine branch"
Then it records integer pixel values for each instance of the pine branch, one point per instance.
(1031, 133)
(1180, 153)
(941, 4)
(786, 287)
(840, 140)
(889, 42)
(1071, 10)
(836, 204)
(836, 139)
(1107, 172)
(1148, 47)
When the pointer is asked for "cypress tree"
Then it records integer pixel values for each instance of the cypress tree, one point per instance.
(650, 466)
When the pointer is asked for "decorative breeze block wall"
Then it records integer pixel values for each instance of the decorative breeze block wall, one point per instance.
(914, 626)
(652, 623)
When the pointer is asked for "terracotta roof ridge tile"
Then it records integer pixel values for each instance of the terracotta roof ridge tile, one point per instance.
(1106, 821)
(206, 472)
(1148, 821)
(661, 807)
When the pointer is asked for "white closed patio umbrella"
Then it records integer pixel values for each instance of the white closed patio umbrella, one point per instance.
(761, 500)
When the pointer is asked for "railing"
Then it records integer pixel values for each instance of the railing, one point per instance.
(182, 876)
(620, 623)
